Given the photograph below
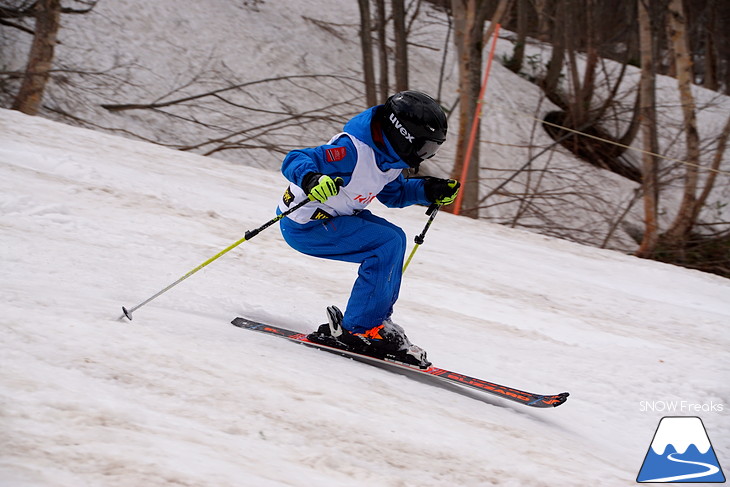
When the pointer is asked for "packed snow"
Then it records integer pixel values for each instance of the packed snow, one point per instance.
(178, 396)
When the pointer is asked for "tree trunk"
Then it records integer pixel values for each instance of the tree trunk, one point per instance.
(647, 99)
(722, 140)
(589, 76)
(469, 36)
(468, 27)
(366, 44)
(40, 59)
(384, 83)
(544, 10)
(518, 55)
(686, 215)
(710, 61)
(557, 58)
(583, 87)
(401, 45)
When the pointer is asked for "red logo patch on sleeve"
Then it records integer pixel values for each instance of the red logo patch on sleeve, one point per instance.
(336, 154)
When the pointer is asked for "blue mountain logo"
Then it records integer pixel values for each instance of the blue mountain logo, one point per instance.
(681, 452)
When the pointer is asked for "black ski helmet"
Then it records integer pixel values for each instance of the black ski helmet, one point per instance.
(415, 125)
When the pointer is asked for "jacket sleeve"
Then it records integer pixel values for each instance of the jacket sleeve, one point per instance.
(334, 160)
(403, 192)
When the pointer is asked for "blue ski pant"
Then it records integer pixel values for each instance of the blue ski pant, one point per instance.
(373, 242)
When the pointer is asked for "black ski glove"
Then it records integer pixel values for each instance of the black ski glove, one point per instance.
(441, 191)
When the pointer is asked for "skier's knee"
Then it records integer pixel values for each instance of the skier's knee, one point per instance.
(399, 239)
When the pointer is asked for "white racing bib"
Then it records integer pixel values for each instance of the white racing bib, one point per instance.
(366, 182)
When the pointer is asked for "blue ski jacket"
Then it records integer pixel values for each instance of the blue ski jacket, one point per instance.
(339, 159)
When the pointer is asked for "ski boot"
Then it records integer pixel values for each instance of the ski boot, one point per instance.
(389, 341)
(332, 334)
(386, 341)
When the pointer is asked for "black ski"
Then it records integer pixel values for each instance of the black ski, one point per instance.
(516, 395)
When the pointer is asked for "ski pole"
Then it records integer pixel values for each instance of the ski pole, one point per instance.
(247, 236)
(432, 211)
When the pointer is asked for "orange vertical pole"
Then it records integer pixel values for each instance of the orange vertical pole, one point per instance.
(475, 122)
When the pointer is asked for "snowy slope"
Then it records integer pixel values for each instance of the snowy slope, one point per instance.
(91, 222)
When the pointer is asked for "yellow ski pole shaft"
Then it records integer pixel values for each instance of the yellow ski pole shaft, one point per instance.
(432, 211)
(127, 312)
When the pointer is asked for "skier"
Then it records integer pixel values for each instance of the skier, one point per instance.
(341, 178)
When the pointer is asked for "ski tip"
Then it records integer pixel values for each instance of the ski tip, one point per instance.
(560, 399)
(549, 401)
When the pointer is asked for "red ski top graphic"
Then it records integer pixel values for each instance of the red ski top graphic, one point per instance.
(336, 154)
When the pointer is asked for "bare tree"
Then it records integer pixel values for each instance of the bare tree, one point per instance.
(582, 106)
(401, 45)
(689, 207)
(649, 131)
(584, 33)
(39, 67)
(549, 82)
(400, 31)
(40, 59)
(518, 55)
(543, 14)
(366, 44)
(469, 19)
(381, 28)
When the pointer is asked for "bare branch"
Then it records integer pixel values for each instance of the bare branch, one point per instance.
(142, 106)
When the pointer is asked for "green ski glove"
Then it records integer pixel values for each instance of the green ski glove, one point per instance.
(320, 187)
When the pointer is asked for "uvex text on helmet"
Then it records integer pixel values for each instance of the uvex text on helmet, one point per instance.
(415, 125)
